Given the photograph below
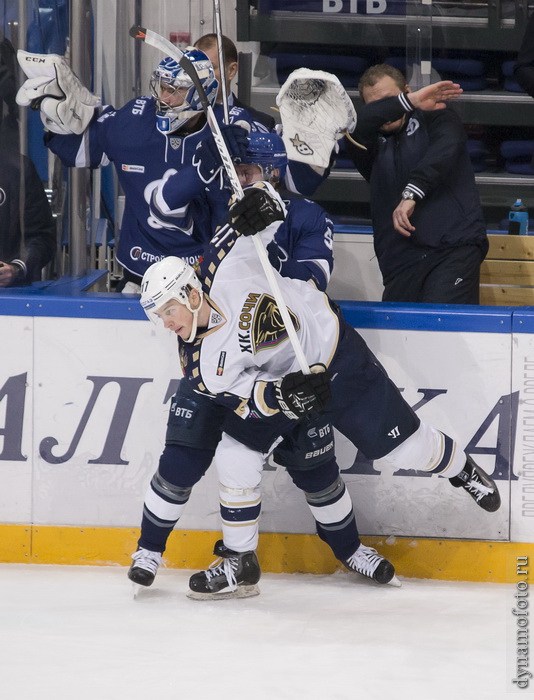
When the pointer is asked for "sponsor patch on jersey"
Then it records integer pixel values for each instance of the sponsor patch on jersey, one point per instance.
(220, 364)
(175, 142)
(133, 168)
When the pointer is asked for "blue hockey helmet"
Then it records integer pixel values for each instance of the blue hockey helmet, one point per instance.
(268, 151)
(170, 78)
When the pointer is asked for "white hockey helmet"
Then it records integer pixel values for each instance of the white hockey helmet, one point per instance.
(170, 278)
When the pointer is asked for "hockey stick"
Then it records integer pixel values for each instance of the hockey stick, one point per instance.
(222, 62)
(159, 42)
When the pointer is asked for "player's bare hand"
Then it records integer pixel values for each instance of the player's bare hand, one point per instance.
(433, 96)
(401, 217)
(8, 273)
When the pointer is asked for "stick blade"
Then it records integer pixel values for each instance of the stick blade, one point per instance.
(138, 32)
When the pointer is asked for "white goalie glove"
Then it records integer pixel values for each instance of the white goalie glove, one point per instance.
(65, 104)
(315, 111)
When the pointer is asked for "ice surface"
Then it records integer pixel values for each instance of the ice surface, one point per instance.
(76, 633)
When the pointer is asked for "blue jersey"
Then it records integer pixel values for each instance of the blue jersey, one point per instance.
(302, 245)
(143, 157)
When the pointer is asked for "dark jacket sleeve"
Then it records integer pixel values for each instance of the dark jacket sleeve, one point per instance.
(39, 225)
(367, 131)
(524, 69)
(447, 140)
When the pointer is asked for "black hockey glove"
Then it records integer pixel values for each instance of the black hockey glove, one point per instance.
(255, 211)
(207, 158)
(300, 395)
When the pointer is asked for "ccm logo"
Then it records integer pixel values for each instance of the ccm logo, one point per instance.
(33, 59)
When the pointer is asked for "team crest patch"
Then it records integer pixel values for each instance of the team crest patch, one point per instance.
(412, 127)
(301, 146)
(269, 329)
(265, 328)
(175, 142)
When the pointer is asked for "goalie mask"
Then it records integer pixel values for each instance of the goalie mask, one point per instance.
(167, 279)
(169, 80)
(267, 151)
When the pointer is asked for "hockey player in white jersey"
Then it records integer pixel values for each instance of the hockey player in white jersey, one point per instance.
(302, 249)
(235, 353)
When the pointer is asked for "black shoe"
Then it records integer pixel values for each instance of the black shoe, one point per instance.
(479, 485)
(144, 567)
(368, 562)
(232, 575)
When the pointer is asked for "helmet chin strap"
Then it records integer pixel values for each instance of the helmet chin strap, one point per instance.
(194, 326)
(195, 317)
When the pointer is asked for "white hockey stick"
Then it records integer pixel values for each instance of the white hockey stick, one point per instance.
(222, 62)
(159, 42)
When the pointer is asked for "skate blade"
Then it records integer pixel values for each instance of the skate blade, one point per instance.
(394, 582)
(240, 592)
(138, 590)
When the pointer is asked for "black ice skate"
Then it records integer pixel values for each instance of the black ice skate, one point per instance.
(232, 575)
(479, 485)
(368, 562)
(144, 567)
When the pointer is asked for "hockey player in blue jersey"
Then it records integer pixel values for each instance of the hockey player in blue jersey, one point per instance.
(302, 247)
(148, 138)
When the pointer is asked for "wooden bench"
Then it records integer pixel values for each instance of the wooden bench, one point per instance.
(507, 273)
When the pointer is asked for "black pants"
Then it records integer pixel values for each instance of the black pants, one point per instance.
(450, 276)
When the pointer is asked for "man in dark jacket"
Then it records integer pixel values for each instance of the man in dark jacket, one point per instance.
(524, 68)
(429, 233)
(208, 44)
(28, 244)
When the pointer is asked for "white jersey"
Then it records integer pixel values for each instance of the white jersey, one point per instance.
(246, 341)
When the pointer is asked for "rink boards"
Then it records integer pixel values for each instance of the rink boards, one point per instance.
(85, 384)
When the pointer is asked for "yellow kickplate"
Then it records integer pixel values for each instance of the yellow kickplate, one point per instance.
(451, 560)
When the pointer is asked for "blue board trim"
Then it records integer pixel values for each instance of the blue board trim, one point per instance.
(428, 317)
(66, 298)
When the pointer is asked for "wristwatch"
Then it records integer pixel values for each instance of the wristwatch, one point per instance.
(407, 194)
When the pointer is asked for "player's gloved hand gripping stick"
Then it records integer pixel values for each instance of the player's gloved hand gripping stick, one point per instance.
(159, 42)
